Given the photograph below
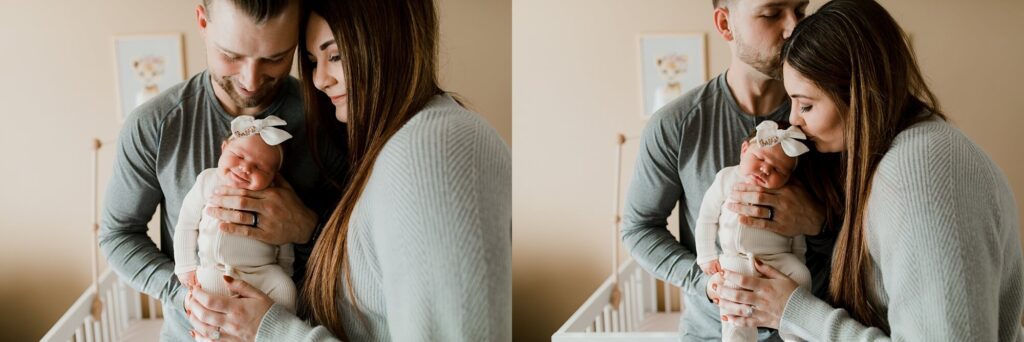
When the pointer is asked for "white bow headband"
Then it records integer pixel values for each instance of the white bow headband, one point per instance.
(769, 134)
(246, 125)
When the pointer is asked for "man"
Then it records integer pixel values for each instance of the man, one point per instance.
(690, 139)
(168, 141)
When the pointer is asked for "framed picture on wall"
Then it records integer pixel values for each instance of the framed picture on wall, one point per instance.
(670, 65)
(144, 67)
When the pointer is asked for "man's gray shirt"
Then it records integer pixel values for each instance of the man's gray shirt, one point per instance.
(683, 146)
(164, 144)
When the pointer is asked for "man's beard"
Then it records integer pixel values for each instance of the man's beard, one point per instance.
(767, 63)
(261, 97)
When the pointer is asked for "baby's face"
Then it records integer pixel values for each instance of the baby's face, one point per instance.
(768, 168)
(248, 163)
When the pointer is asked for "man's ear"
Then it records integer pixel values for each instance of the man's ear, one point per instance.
(202, 19)
(722, 24)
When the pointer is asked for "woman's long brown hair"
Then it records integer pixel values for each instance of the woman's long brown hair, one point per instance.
(388, 51)
(859, 56)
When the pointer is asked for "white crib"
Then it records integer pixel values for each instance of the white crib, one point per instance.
(109, 310)
(127, 315)
(639, 317)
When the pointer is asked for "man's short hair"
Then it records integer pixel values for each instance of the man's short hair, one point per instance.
(259, 10)
(720, 3)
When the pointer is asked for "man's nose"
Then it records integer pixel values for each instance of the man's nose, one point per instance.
(790, 23)
(250, 76)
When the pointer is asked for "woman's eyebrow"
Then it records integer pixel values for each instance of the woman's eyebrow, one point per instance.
(324, 45)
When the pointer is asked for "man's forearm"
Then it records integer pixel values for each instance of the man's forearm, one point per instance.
(137, 260)
(657, 251)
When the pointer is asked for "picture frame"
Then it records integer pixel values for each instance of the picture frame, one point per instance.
(670, 65)
(144, 66)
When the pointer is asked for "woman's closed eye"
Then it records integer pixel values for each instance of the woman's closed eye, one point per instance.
(805, 109)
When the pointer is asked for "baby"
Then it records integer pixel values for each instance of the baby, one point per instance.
(250, 159)
(768, 159)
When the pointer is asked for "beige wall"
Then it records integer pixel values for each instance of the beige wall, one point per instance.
(59, 93)
(575, 85)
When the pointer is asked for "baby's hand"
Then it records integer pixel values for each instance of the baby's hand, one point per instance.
(711, 267)
(188, 279)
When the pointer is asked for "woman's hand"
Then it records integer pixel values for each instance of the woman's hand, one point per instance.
(766, 296)
(221, 318)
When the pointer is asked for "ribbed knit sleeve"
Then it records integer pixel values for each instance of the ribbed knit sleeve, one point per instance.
(186, 231)
(707, 221)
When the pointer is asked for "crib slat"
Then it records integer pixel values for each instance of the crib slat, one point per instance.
(616, 327)
(152, 307)
(79, 334)
(607, 317)
(652, 293)
(624, 314)
(667, 299)
(89, 334)
(101, 335)
(638, 310)
(118, 308)
(112, 321)
(599, 323)
(136, 302)
(96, 333)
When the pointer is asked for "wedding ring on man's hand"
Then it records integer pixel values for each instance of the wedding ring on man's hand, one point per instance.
(748, 311)
(255, 220)
(771, 214)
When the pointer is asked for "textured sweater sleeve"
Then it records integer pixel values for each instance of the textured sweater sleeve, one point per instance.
(186, 231)
(653, 193)
(132, 196)
(707, 221)
(443, 232)
(440, 213)
(935, 233)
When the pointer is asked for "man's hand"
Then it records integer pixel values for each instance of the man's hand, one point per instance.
(282, 217)
(789, 211)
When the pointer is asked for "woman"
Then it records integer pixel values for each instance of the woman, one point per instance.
(419, 248)
(929, 247)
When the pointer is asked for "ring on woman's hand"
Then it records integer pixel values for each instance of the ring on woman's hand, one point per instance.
(748, 311)
(215, 335)
(255, 220)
